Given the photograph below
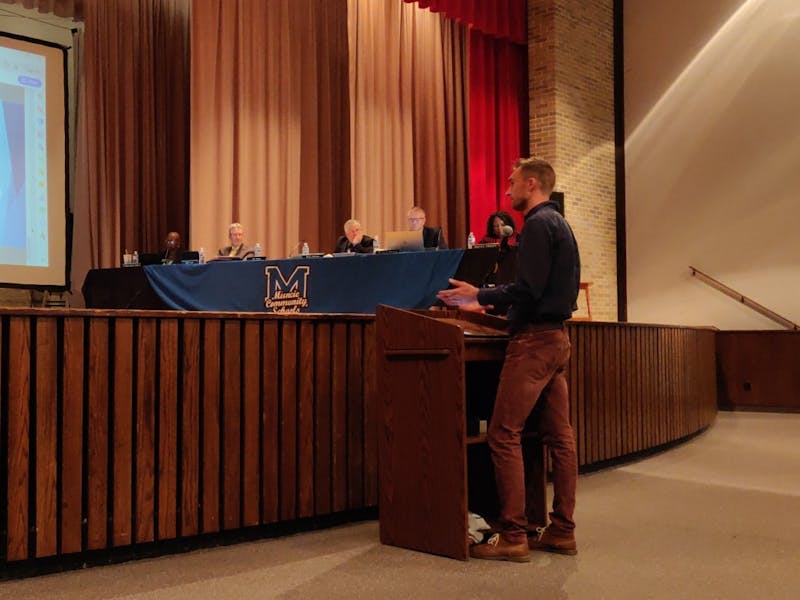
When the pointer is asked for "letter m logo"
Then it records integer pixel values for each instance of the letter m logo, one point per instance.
(296, 282)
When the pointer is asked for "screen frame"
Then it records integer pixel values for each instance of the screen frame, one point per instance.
(68, 215)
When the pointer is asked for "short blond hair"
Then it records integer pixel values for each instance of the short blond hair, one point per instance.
(539, 169)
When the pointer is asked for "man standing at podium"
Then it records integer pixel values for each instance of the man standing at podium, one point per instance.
(542, 296)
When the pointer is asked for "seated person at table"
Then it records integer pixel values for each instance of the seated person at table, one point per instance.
(171, 253)
(494, 230)
(431, 236)
(354, 239)
(237, 249)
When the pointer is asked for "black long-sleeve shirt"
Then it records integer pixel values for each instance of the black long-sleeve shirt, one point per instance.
(545, 289)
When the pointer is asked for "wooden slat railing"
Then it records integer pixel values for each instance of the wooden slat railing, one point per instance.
(120, 428)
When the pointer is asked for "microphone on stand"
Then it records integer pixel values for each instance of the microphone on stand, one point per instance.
(165, 260)
(506, 231)
(294, 249)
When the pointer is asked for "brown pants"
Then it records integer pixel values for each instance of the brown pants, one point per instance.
(533, 371)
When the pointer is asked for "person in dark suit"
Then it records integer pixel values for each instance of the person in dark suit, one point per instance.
(171, 252)
(354, 239)
(237, 249)
(432, 237)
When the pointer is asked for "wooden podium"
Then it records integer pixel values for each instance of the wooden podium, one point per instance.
(437, 374)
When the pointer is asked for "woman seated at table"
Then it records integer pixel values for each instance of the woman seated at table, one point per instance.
(494, 230)
(354, 239)
(237, 249)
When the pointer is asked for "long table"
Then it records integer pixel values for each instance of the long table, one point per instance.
(354, 283)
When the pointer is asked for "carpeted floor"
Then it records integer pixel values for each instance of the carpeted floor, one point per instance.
(718, 517)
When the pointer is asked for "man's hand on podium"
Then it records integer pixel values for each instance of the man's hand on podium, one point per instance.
(463, 295)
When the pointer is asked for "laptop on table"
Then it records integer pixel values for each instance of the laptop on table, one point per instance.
(403, 241)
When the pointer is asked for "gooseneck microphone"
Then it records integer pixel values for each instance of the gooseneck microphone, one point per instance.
(506, 231)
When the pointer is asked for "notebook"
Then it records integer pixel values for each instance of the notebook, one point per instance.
(403, 240)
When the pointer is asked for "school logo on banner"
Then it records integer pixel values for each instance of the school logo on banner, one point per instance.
(286, 294)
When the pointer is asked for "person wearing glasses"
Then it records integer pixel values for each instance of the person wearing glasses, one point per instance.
(432, 237)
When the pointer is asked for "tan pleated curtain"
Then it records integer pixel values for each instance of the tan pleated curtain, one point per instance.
(341, 109)
(405, 102)
(269, 144)
(299, 115)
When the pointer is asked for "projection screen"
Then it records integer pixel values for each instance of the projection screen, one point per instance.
(33, 163)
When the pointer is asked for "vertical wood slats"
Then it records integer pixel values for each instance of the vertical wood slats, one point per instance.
(190, 429)
(72, 436)
(168, 430)
(97, 434)
(634, 387)
(270, 484)
(287, 431)
(305, 421)
(46, 438)
(251, 393)
(231, 422)
(131, 428)
(145, 431)
(122, 432)
(18, 415)
(210, 438)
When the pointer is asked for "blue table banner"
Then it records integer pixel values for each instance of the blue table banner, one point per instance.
(354, 283)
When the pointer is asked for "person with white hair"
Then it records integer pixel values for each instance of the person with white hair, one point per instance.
(237, 249)
(354, 239)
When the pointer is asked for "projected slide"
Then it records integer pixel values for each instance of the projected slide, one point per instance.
(32, 163)
(23, 165)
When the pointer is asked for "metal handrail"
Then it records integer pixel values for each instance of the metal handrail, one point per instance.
(752, 304)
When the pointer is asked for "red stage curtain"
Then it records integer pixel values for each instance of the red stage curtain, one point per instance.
(505, 19)
(498, 123)
(498, 98)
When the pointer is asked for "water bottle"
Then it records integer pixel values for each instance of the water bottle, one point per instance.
(305, 251)
(257, 251)
(126, 259)
(471, 240)
(376, 245)
(135, 262)
(201, 256)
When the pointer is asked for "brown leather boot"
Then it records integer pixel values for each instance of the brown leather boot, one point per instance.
(553, 541)
(497, 548)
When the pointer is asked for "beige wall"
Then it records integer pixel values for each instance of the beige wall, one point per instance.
(570, 56)
(712, 158)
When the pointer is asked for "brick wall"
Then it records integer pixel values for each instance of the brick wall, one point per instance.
(571, 89)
